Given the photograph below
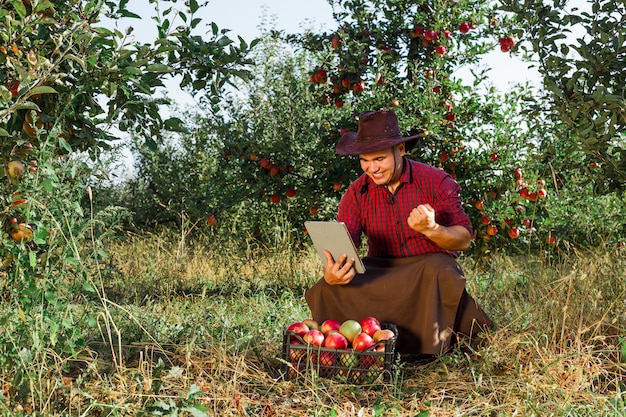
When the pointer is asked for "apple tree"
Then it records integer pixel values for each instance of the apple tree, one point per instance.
(407, 56)
(66, 82)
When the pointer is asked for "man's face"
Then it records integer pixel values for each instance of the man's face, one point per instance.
(379, 165)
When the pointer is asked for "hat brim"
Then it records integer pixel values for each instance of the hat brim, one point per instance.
(348, 145)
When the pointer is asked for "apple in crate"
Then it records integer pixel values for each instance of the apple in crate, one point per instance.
(370, 325)
(313, 337)
(362, 341)
(350, 329)
(336, 341)
(311, 324)
(298, 328)
(383, 334)
(329, 325)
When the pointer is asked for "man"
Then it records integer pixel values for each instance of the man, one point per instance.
(415, 226)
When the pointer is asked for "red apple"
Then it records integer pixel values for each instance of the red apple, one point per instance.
(517, 172)
(383, 334)
(311, 324)
(264, 163)
(327, 358)
(485, 219)
(479, 205)
(524, 193)
(350, 329)
(492, 230)
(314, 211)
(291, 193)
(464, 27)
(329, 325)
(513, 232)
(298, 328)
(336, 340)
(275, 199)
(211, 220)
(362, 341)
(314, 337)
(542, 193)
(337, 186)
(370, 325)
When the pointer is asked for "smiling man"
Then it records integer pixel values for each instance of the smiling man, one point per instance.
(415, 226)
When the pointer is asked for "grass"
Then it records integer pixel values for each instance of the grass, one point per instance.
(200, 331)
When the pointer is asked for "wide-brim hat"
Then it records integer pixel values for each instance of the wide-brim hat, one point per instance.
(377, 130)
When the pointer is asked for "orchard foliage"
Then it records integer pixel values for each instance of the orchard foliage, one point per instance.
(405, 56)
(66, 82)
(270, 153)
(580, 51)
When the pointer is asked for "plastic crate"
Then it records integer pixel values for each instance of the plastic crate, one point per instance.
(344, 365)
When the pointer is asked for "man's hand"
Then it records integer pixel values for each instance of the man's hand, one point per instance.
(422, 219)
(455, 237)
(340, 272)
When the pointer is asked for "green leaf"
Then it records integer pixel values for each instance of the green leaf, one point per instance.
(160, 68)
(197, 410)
(88, 287)
(43, 89)
(19, 7)
(3, 132)
(128, 13)
(32, 259)
(63, 143)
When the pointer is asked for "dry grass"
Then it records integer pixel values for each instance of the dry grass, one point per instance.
(202, 331)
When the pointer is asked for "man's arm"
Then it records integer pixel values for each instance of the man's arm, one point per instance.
(454, 238)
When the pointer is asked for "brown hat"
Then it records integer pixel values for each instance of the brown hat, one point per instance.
(377, 130)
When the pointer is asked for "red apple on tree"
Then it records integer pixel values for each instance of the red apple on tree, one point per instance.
(275, 199)
(492, 230)
(513, 232)
(291, 193)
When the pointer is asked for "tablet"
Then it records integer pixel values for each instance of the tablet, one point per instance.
(334, 237)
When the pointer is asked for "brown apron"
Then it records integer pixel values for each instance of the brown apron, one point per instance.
(424, 296)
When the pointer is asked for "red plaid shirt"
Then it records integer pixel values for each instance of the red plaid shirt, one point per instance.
(369, 209)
